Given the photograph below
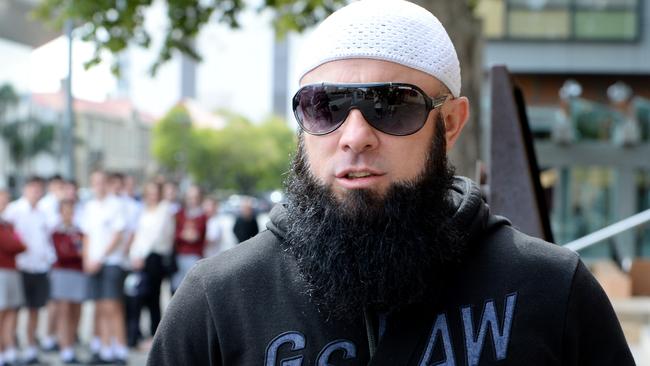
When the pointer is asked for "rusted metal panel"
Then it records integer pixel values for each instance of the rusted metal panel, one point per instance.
(515, 190)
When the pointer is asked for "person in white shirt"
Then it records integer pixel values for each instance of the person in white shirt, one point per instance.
(31, 225)
(104, 254)
(213, 232)
(170, 195)
(152, 243)
(49, 204)
(131, 206)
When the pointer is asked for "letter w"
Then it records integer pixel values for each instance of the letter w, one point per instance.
(500, 337)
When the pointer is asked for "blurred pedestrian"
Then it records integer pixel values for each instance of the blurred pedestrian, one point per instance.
(130, 206)
(152, 242)
(189, 235)
(31, 224)
(130, 187)
(70, 192)
(69, 284)
(103, 259)
(11, 287)
(214, 232)
(246, 222)
(170, 195)
(49, 204)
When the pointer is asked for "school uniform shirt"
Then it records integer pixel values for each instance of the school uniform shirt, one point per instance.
(213, 237)
(103, 219)
(49, 205)
(31, 225)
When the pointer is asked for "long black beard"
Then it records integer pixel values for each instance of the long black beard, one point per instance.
(369, 250)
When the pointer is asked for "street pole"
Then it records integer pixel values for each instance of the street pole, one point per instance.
(68, 115)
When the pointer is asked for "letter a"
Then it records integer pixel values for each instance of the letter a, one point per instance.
(440, 326)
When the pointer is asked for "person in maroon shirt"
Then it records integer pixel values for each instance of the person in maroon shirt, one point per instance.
(69, 284)
(189, 237)
(11, 288)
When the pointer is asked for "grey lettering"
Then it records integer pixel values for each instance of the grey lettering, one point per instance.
(297, 341)
(348, 348)
(440, 326)
(474, 344)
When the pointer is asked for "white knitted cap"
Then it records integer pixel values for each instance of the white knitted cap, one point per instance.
(389, 30)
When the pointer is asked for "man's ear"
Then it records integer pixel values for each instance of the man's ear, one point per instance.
(455, 114)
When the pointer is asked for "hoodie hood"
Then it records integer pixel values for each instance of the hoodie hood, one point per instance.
(472, 214)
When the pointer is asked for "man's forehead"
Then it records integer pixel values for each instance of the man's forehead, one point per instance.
(362, 70)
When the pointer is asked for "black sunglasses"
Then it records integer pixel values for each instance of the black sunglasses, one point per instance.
(394, 108)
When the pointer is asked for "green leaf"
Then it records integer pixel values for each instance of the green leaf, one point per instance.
(112, 25)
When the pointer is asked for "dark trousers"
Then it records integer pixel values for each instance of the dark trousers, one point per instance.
(154, 270)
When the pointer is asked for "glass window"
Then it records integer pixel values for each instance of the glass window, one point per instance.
(547, 24)
(492, 12)
(604, 20)
(600, 4)
(539, 4)
(605, 25)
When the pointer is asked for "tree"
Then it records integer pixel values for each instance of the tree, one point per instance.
(8, 99)
(112, 25)
(25, 138)
(242, 156)
(28, 138)
(172, 140)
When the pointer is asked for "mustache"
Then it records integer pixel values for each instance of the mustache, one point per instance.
(366, 249)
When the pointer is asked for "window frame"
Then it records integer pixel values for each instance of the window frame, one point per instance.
(572, 8)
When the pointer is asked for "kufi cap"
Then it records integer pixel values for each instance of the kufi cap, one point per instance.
(391, 30)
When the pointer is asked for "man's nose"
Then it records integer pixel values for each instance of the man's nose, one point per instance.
(357, 135)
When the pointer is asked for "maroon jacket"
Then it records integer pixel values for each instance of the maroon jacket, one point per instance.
(67, 244)
(190, 247)
(10, 245)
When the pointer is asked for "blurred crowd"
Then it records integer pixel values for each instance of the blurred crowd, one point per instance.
(115, 248)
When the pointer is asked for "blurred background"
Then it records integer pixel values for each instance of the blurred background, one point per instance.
(198, 92)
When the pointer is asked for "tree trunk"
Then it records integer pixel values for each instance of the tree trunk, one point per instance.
(465, 32)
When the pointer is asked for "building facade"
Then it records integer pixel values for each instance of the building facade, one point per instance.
(593, 145)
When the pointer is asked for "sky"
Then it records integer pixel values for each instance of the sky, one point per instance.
(236, 72)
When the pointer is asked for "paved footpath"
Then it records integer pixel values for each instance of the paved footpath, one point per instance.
(136, 357)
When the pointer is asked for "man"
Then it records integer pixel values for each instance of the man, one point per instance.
(104, 254)
(31, 225)
(246, 222)
(381, 256)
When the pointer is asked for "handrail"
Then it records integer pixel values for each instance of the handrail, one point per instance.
(607, 232)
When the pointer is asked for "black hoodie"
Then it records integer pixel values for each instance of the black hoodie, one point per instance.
(515, 300)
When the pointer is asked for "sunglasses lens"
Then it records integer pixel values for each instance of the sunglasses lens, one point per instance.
(392, 109)
(321, 109)
(395, 110)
